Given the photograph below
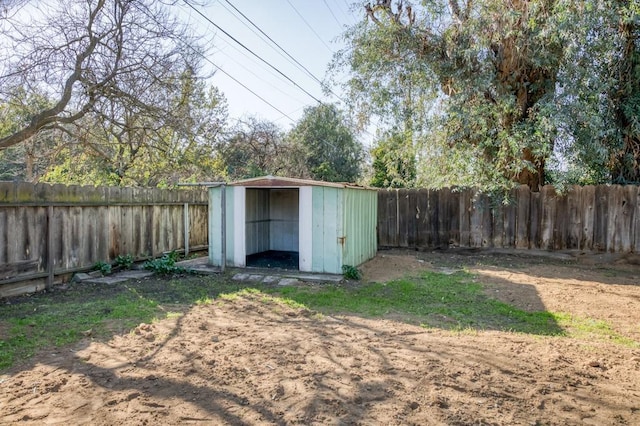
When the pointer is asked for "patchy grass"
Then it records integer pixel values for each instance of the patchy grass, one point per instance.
(35, 325)
(592, 329)
(451, 302)
(62, 317)
(263, 296)
(434, 300)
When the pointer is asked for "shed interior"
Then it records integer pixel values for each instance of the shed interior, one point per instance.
(272, 227)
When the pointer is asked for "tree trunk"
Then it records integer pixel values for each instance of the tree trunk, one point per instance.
(28, 167)
(627, 162)
(534, 179)
(528, 82)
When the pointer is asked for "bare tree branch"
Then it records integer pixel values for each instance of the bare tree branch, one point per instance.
(83, 52)
(455, 11)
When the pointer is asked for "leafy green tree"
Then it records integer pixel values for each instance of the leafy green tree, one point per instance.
(625, 97)
(255, 148)
(394, 166)
(473, 80)
(29, 160)
(124, 100)
(499, 93)
(131, 149)
(330, 150)
(598, 96)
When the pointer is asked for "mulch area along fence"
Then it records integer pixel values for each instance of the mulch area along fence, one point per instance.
(51, 230)
(590, 218)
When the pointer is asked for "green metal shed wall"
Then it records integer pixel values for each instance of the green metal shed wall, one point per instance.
(360, 221)
(327, 227)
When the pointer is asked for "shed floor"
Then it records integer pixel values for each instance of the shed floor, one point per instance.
(274, 259)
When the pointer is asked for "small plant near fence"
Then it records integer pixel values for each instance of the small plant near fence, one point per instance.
(351, 272)
(165, 265)
(124, 261)
(103, 267)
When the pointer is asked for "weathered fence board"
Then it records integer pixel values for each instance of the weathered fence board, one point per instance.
(587, 211)
(601, 218)
(535, 230)
(592, 218)
(636, 222)
(548, 215)
(58, 229)
(465, 218)
(387, 218)
(454, 217)
(423, 213)
(574, 218)
(522, 217)
(403, 219)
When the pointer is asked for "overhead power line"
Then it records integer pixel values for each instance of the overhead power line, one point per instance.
(242, 84)
(281, 48)
(332, 14)
(274, 42)
(261, 35)
(251, 51)
(248, 69)
(261, 78)
(310, 27)
(350, 10)
(198, 52)
(347, 18)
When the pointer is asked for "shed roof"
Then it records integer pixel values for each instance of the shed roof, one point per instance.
(285, 182)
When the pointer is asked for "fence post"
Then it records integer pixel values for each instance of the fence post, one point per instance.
(397, 239)
(50, 258)
(186, 229)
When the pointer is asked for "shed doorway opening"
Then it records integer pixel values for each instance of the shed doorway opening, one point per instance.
(272, 228)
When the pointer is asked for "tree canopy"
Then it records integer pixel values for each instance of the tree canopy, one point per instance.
(599, 95)
(121, 98)
(490, 90)
(139, 151)
(330, 149)
(486, 93)
(393, 162)
(256, 147)
(103, 57)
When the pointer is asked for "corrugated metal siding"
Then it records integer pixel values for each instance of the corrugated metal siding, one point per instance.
(257, 223)
(342, 229)
(236, 231)
(327, 223)
(305, 245)
(215, 226)
(360, 221)
(283, 219)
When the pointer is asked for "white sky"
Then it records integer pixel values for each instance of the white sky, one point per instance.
(281, 22)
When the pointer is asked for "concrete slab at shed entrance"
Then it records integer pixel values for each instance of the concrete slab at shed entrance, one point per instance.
(322, 225)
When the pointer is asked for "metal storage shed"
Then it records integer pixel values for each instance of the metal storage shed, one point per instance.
(322, 225)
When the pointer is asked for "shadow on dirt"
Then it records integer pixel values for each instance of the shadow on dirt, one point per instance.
(255, 360)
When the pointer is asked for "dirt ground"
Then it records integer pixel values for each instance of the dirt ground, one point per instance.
(251, 361)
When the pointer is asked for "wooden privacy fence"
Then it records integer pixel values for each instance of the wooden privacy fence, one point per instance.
(48, 230)
(591, 218)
